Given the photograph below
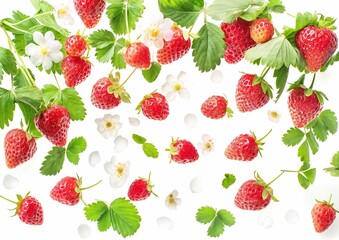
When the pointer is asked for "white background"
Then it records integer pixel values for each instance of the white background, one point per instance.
(61, 222)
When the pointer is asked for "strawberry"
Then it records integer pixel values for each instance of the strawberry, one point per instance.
(238, 39)
(154, 106)
(175, 48)
(245, 147)
(75, 45)
(250, 95)
(20, 146)
(316, 45)
(261, 30)
(215, 107)
(75, 70)
(54, 123)
(183, 151)
(140, 189)
(90, 11)
(137, 55)
(101, 96)
(323, 215)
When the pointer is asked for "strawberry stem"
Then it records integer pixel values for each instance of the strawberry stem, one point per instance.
(8, 199)
(129, 76)
(85, 188)
(265, 136)
(56, 80)
(313, 80)
(126, 20)
(264, 72)
(282, 172)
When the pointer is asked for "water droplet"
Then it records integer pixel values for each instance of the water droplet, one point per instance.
(94, 158)
(190, 120)
(267, 222)
(260, 220)
(197, 184)
(84, 231)
(134, 121)
(165, 223)
(10, 182)
(217, 77)
(292, 216)
(120, 144)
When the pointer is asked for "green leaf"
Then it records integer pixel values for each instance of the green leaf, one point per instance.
(335, 160)
(281, 76)
(138, 139)
(152, 73)
(124, 217)
(304, 152)
(104, 222)
(20, 28)
(276, 53)
(29, 115)
(276, 6)
(103, 41)
(53, 161)
(8, 62)
(36, 4)
(330, 62)
(71, 100)
(150, 150)
(312, 142)
(293, 137)
(228, 180)
(303, 181)
(227, 217)
(19, 80)
(324, 124)
(334, 171)
(117, 11)
(183, 12)
(118, 61)
(205, 214)
(94, 211)
(74, 148)
(7, 107)
(310, 175)
(216, 228)
(208, 49)
(1, 73)
(30, 96)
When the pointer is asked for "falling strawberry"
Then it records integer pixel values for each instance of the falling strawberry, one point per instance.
(323, 215)
(90, 11)
(140, 189)
(183, 151)
(101, 96)
(54, 123)
(175, 48)
(76, 45)
(215, 107)
(154, 106)
(137, 55)
(252, 93)
(245, 147)
(75, 70)
(261, 30)
(20, 146)
(28, 209)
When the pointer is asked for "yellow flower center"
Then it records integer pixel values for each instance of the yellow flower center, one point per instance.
(171, 199)
(44, 51)
(274, 114)
(108, 124)
(209, 145)
(177, 87)
(153, 33)
(62, 12)
(119, 169)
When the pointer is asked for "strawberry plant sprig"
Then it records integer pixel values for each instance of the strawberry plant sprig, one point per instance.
(148, 148)
(306, 175)
(334, 170)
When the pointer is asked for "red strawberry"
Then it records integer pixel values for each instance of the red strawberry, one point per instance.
(183, 151)
(20, 146)
(244, 147)
(250, 95)
(140, 189)
(261, 30)
(75, 70)
(175, 48)
(215, 107)
(101, 96)
(303, 109)
(316, 45)
(323, 215)
(75, 45)
(54, 123)
(90, 11)
(138, 55)
(238, 40)
(154, 106)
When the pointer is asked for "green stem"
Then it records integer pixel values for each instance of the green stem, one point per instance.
(126, 20)
(18, 29)
(313, 80)
(265, 135)
(26, 19)
(129, 76)
(275, 178)
(56, 80)
(81, 189)
(205, 14)
(290, 171)
(329, 200)
(8, 199)
(264, 72)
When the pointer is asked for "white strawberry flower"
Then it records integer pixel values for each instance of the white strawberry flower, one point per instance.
(118, 172)
(176, 85)
(207, 144)
(109, 125)
(64, 13)
(172, 201)
(46, 50)
(273, 115)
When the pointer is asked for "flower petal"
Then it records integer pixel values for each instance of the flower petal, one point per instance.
(116, 181)
(159, 43)
(31, 49)
(206, 138)
(170, 96)
(167, 35)
(166, 24)
(182, 76)
(108, 117)
(54, 46)
(170, 78)
(39, 38)
(106, 134)
(167, 87)
(49, 37)
(184, 93)
(109, 167)
(37, 59)
(116, 118)
(99, 121)
(56, 57)
(47, 63)
(174, 193)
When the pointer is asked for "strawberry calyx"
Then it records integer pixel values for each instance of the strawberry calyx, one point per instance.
(147, 96)
(229, 111)
(328, 203)
(260, 142)
(149, 184)
(79, 189)
(172, 150)
(117, 89)
(20, 198)
(268, 191)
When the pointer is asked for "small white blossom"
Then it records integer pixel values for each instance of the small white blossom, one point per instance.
(118, 171)
(174, 86)
(64, 13)
(172, 201)
(109, 125)
(207, 144)
(273, 116)
(46, 50)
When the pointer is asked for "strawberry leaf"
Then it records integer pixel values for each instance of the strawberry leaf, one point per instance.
(293, 137)
(19, 80)
(281, 76)
(304, 151)
(324, 124)
(303, 181)
(152, 73)
(227, 217)
(334, 171)
(7, 61)
(1, 72)
(117, 60)
(53, 161)
(29, 115)
(228, 180)
(7, 107)
(312, 142)
(138, 139)
(30, 96)
(276, 6)
(205, 214)
(208, 49)
(94, 211)
(331, 61)
(310, 175)
(119, 10)
(183, 12)
(216, 228)
(74, 148)
(150, 150)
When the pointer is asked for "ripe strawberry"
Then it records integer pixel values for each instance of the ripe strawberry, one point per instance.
(140, 189)
(54, 123)
(175, 48)
(183, 151)
(154, 106)
(101, 96)
(245, 147)
(20, 146)
(75, 70)
(323, 215)
(30, 211)
(316, 45)
(238, 39)
(215, 107)
(75, 45)
(303, 109)
(250, 95)
(90, 11)
(261, 30)
(67, 191)
(137, 55)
